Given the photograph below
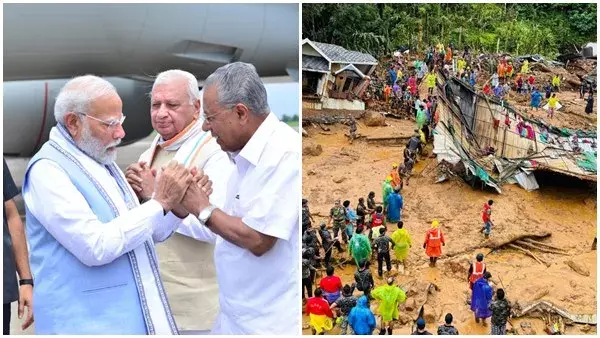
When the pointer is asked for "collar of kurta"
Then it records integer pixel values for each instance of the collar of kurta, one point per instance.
(257, 143)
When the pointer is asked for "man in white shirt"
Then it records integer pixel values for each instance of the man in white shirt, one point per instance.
(257, 242)
(91, 242)
(187, 265)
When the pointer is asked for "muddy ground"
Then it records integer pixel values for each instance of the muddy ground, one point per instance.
(563, 206)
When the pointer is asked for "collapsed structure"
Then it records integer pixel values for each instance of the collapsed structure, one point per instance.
(484, 144)
(334, 77)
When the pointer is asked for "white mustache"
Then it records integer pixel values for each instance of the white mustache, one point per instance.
(114, 144)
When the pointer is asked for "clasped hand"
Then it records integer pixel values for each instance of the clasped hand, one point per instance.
(176, 188)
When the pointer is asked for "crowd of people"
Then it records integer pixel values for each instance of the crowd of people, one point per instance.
(364, 233)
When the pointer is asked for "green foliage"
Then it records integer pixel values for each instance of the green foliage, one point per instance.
(378, 29)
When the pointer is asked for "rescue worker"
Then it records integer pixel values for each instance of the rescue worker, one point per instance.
(352, 129)
(486, 216)
(396, 180)
(434, 240)
(476, 270)
(337, 214)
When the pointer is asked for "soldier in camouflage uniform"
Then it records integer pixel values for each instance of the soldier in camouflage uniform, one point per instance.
(345, 304)
(326, 242)
(307, 271)
(306, 216)
(310, 239)
(500, 313)
(382, 244)
(338, 216)
(447, 328)
(352, 128)
(364, 279)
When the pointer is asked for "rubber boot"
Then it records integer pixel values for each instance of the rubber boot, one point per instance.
(389, 330)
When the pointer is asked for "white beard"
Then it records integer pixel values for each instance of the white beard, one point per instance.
(94, 148)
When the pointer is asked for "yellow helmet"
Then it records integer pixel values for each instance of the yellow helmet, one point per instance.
(389, 178)
(435, 223)
(394, 165)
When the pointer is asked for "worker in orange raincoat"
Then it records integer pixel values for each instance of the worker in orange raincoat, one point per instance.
(396, 180)
(434, 239)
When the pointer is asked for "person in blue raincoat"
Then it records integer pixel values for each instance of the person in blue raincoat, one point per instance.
(481, 298)
(536, 99)
(395, 203)
(351, 218)
(361, 318)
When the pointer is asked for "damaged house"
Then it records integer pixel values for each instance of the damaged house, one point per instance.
(484, 139)
(334, 77)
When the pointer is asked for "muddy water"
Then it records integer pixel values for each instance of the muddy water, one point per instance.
(564, 207)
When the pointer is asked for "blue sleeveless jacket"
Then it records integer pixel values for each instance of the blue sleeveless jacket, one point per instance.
(70, 297)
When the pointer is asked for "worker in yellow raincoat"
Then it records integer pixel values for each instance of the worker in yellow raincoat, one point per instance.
(389, 296)
(402, 242)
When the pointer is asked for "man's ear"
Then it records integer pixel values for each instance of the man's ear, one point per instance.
(73, 124)
(242, 112)
(197, 106)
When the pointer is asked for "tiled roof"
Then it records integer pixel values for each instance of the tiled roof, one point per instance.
(314, 63)
(341, 55)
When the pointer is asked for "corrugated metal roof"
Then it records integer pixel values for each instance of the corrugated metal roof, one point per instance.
(339, 54)
(315, 64)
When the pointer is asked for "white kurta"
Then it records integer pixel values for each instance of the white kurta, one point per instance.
(56, 202)
(260, 295)
(187, 265)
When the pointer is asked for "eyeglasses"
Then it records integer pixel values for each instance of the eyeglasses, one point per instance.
(112, 123)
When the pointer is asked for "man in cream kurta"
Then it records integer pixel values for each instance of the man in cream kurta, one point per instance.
(186, 264)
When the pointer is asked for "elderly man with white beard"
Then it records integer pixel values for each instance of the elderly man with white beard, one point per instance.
(91, 242)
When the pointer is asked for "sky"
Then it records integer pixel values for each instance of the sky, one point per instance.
(283, 98)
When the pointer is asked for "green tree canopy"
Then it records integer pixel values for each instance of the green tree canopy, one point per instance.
(547, 29)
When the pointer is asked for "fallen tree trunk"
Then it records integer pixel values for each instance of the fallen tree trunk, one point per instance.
(544, 306)
(532, 246)
(497, 243)
(528, 253)
(532, 241)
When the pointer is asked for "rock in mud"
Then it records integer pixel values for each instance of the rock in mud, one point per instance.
(374, 119)
(404, 318)
(430, 314)
(311, 173)
(339, 179)
(312, 149)
(538, 293)
(411, 305)
(304, 133)
(578, 267)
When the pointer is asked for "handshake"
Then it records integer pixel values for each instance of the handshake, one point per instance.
(176, 188)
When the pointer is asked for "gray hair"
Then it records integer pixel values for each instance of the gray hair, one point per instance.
(78, 94)
(176, 74)
(239, 82)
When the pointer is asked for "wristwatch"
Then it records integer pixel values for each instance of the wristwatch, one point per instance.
(26, 282)
(205, 213)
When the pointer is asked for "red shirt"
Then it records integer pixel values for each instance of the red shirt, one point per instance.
(318, 306)
(377, 220)
(331, 284)
(486, 211)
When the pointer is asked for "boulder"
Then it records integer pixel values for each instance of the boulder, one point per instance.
(430, 314)
(339, 179)
(404, 318)
(374, 119)
(580, 268)
(312, 149)
(411, 305)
